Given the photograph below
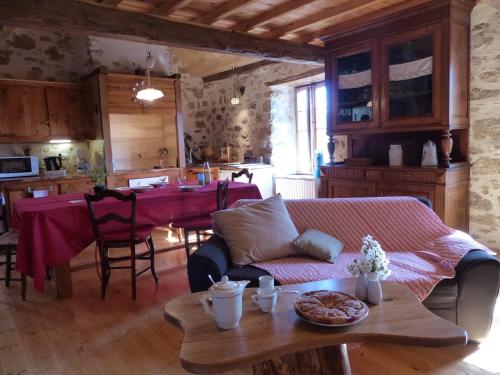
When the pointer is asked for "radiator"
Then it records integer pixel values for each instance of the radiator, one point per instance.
(297, 187)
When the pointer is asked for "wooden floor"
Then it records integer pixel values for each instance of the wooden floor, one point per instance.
(85, 335)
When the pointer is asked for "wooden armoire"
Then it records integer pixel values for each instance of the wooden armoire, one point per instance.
(403, 80)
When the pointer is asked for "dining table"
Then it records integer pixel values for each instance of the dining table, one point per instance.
(52, 230)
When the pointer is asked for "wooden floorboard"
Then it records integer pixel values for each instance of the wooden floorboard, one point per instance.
(85, 335)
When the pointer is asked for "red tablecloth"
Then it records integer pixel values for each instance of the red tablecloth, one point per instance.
(52, 230)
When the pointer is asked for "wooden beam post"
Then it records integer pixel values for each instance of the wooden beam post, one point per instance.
(239, 70)
(170, 6)
(77, 17)
(222, 11)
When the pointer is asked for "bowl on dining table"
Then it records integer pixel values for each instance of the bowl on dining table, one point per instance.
(141, 188)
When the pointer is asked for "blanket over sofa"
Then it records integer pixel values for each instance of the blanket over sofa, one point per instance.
(422, 250)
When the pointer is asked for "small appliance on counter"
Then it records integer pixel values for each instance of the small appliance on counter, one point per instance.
(18, 166)
(429, 155)
(53, 163)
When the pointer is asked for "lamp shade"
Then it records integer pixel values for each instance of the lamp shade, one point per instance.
(149, 94)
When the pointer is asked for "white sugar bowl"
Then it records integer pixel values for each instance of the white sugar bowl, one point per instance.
(227, 302)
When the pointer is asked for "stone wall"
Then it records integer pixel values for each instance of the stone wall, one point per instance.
(246, 127)
(485, 126)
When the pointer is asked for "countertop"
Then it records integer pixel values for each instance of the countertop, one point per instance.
(36, 179)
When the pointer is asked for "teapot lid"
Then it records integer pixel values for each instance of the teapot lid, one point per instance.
(225, 286)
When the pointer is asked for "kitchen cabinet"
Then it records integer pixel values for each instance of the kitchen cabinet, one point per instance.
(120, 179)
(191, 174)
(138, 136)
(32, 111)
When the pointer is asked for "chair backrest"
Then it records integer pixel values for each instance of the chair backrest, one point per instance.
(222, 189)
(127, 221)
(242, 172)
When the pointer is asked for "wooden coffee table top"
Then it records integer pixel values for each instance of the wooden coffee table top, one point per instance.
(400, 319)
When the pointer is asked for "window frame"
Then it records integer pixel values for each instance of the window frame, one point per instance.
(311, 122)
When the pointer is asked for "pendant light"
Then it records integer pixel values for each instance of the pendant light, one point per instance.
(145, 92)
(235, 100)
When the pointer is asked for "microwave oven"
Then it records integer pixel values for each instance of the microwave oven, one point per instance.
(18, 166)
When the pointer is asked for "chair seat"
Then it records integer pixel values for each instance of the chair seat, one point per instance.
(141, 235)
(11, 238)
(195, 222)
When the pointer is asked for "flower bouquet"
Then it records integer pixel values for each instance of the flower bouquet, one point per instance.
(370, 267)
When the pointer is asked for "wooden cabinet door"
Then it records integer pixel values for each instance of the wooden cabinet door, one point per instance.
(353, 87)
(69, 112)
(23, 111)
(411, 190)
(411, 78)
(350, 189)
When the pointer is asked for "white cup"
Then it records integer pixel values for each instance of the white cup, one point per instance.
(266, 299)
(266, 282)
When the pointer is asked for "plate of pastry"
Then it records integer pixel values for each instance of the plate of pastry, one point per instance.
(329, 308)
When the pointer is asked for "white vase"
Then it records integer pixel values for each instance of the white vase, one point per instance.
(360, 290)
(374, 293)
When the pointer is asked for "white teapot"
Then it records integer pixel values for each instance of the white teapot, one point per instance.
(227, 301)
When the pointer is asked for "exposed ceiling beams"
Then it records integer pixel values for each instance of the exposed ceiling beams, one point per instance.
(170, 6)
(271, 14)
(89, 19)
(345, 7)
(224, 10)
(239, 70)
(493, 3)
(111, 2)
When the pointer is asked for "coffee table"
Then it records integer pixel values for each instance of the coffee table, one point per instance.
(282, 343)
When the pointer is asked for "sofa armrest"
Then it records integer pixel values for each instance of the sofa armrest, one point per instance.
(478, 280)
(211, 258)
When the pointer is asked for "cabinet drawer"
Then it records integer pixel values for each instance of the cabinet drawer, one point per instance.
(410, 176)
(353, 173)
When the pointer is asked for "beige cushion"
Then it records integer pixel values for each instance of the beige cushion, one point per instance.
(319, 245)
(257, 231)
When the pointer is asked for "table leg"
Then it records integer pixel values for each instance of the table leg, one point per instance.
(64, 284)
(330, 360)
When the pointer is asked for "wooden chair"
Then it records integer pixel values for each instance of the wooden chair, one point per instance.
(8, 246)
(202, 223)
(127, 236)
(242, 172)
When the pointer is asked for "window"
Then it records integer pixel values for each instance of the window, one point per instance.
(311, 125)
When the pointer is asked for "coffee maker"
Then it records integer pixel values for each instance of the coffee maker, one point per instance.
(53, 163)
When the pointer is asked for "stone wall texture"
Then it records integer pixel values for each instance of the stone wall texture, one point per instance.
(485, 126)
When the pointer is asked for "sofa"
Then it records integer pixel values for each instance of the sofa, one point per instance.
(467, 300)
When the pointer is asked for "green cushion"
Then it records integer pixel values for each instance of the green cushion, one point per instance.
(319, 245)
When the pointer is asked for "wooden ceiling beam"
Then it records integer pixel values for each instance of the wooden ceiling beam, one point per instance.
(493, 3)
(345, 7)
(239, 70)
(111, 2)
(76, 17)
(224, 10)
(370, 17)
(170, 6)
(271, 14)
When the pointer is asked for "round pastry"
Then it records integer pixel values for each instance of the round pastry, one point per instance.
(330, 307)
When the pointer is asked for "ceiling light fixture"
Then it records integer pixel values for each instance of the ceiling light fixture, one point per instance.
(144, 91)
(235, 100)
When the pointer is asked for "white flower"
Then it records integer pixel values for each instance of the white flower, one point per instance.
(372, 261)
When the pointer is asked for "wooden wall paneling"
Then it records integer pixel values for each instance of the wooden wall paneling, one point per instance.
(459, 67)
(179, 118)
(23, 110)
(136, 140)
(170, 139)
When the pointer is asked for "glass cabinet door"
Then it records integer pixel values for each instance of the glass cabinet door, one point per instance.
(411, 86)
(354, 97)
